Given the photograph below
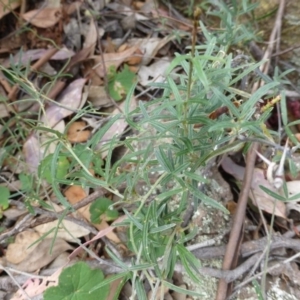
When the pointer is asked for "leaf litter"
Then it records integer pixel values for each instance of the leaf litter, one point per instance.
(95, 66)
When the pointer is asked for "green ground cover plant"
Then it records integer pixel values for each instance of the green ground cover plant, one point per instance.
(204, 110)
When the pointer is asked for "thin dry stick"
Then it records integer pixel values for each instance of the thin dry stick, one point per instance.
(288, 260)
(238, 221)
(268, 53)
(222, 288)
(53, 215)
(273, 41)
(24, 293)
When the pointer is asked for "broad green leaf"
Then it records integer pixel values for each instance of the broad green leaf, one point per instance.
(76, 283)
(4, 198)
(61, 168)
(120, 83)
(99, 210)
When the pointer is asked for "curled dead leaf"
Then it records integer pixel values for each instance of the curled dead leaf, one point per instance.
(91, 37)
(70, 99)
(43, 18)
(77, 132)
(66, 230)
(259, 198)
(112, 59)
(75, 194)
(97, 95)
(136, 58)
(21, 248)
(41, 256)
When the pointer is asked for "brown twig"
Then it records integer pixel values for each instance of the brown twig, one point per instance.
(239, 219)
(51, 216)
(231, 275)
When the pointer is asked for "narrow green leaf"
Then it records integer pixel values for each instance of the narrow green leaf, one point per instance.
(250, 103)
(272, 194)
(284, 114)
(181, 290)
(207, 200)
(133, 220)
(140, 290)
(168, 194)
(162, 228)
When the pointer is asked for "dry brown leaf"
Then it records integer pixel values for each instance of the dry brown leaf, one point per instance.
(25, 57)
(125, 10)
(3, 111)
(75, 194)
(19, 250)
(105, 231)
(72, 7)
(9, 43)
(71, 233)
(155, 72)
(70, 99)
(110, 234)
(43, 18)
(136, 58)
(41, 255)
(68, 230)
(80, 56)
(259, 198)
(6, 6)
(149, 47)
(91, 37)
(112, 59)
(117, 128)
(98, 96)
(77, 132)
(32, 153)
